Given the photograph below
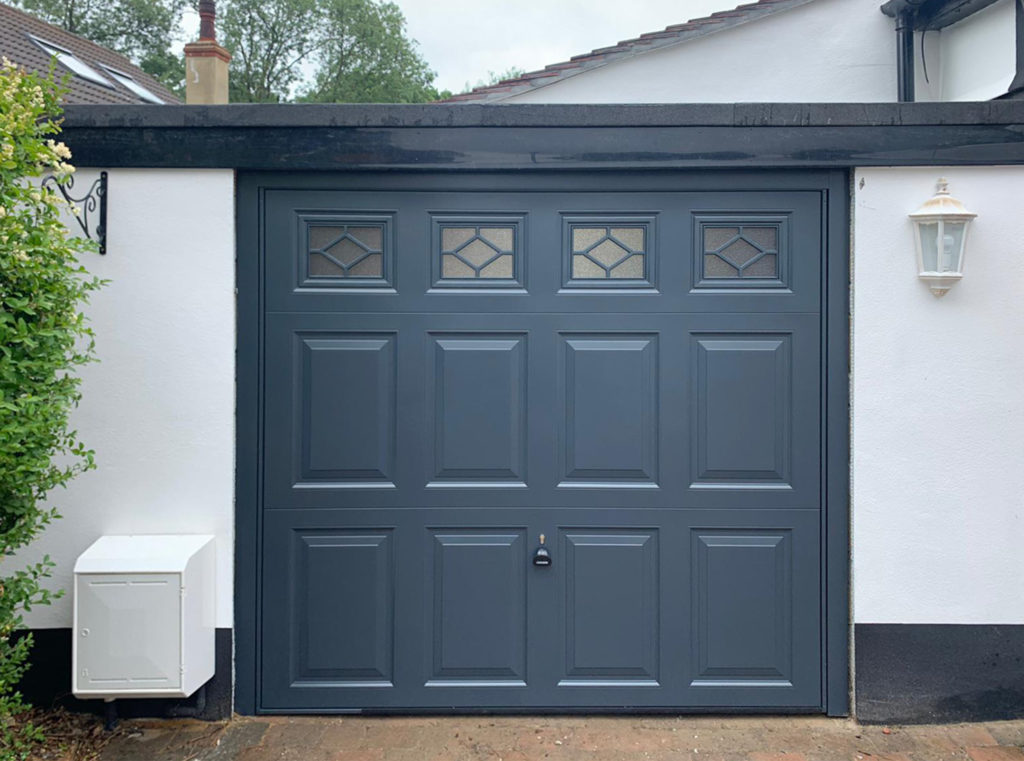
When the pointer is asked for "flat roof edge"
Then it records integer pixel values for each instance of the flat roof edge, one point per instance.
(443, 115)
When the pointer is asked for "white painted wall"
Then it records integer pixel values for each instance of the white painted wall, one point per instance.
(159, 407)
(974, 59)
(825, 51)
(938, 407)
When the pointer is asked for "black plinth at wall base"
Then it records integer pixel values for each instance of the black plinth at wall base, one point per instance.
(923, 673)
(48, 682)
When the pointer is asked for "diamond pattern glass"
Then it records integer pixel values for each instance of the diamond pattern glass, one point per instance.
(478, 252)
(741, 251)
(608, 252)
(346, 251)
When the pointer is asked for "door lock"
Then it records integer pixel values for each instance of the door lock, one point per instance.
(542, 557)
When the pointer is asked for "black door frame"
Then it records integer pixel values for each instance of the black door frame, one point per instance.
(833, 184)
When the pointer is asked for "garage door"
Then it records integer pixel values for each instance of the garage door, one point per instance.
(540, 449)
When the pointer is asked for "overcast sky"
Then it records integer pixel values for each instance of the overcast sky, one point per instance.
(463, 40)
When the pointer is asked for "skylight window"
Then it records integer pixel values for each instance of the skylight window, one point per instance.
(130, 84)
(68, 60)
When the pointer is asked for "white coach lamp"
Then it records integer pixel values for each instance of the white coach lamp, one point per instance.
(940, 235)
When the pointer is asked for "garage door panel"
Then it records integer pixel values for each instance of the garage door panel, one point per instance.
(479, 390)
(477, 595)
(674, 252)
(346, 385)
(611, 612)
(336, 588)
(755, 621)
(610, 409)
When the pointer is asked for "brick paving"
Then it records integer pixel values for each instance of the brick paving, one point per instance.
(560, 738)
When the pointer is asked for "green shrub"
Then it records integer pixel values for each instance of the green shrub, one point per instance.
(43, 337)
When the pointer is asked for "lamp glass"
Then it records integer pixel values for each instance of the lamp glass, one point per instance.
(951, 240)
(929, 232)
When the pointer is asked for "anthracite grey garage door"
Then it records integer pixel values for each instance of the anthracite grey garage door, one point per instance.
(451, 375)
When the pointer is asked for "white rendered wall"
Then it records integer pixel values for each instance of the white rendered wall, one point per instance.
(825, 51)
(159, 406)
(974, 59)
(938, 407)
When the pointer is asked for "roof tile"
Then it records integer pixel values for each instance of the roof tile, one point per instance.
(671, 35)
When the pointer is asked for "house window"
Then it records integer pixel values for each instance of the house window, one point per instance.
(130, 84)
(68, 60)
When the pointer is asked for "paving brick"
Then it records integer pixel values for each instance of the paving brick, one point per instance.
(990, 753)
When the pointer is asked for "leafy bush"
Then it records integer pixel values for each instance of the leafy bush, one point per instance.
(43, 337)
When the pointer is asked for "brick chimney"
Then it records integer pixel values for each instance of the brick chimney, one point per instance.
(206, 62)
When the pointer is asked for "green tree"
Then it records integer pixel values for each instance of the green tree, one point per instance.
(326, 51)
(512, 72)
(141, 30)
(269, 42)
(43, 337)
(365, 57)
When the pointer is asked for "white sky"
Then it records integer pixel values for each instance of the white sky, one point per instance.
(463, 40)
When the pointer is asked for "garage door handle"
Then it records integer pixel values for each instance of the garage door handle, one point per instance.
(542, 557)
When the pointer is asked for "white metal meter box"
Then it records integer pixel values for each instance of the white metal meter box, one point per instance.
(144, 617)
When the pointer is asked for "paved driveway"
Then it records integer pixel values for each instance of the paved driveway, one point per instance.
(522, 738)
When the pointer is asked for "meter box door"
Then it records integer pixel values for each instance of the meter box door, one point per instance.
(144, 617)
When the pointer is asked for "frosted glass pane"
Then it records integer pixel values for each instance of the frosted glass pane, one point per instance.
(716, 237)
(766, 238)
(321, 236)
(929, 244)
(452, 267)
(608, 253)
(633, 267)
(582, 267)
(477, 253)
(501, 238)
(716, 267)
(499, 268)
(766, 266)
(371, 237)
(371, 266)
(739, 253)
(633, 237)
(585, 237)
(346, 251)
(453, 237)
(321, 266)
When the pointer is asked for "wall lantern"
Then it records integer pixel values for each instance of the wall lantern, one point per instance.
(940, 235)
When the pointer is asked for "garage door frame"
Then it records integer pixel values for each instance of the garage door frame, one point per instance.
(834, 188)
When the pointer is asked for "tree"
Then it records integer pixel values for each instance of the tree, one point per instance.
(365, 57)
(512, 72)
(43, 337)
(141, 30)
(328, 51)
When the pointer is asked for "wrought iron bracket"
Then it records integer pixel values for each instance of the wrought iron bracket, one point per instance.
(93, 202)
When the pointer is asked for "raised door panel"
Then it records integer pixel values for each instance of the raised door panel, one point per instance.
(478, 396)
(611, 608)
(744, 409)
(342, 599)
(610, 410)
(477, 602)
(345, 389)
(743, 627)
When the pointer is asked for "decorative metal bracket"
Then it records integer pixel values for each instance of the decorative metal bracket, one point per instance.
(93, 201)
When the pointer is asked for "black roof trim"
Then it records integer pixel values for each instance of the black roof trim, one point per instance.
(935, 14)
(296, 116)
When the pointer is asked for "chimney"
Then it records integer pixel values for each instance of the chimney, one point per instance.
(206, 62)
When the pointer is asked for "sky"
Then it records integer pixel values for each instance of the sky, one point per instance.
(464, 40)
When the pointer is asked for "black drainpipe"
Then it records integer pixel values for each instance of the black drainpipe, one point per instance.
(905, 56)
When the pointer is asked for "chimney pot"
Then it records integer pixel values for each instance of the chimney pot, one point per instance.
(207, 17)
